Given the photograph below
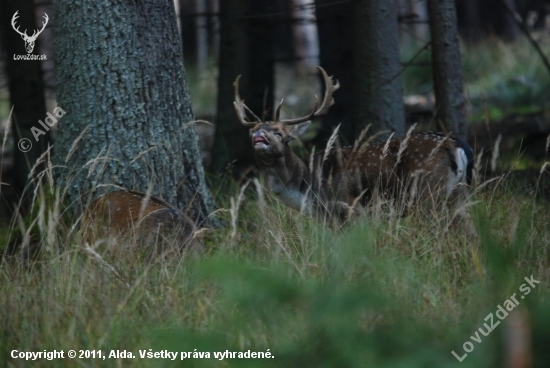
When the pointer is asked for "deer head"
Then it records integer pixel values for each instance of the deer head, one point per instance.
(270, 139)
(29, 40)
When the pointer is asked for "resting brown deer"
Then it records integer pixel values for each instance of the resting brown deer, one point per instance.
(128, 216)
(422, 167)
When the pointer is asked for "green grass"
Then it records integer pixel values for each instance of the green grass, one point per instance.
(383, 291)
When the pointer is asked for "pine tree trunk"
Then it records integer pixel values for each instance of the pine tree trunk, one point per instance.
(469, 20)
(447, 68)
(26, 88)
(231, 142)
(261, 57)
(246, 48)
(478, 19)
(305, 35)
(336, 56)
(122, 84)
(378, 90)
(202, 34)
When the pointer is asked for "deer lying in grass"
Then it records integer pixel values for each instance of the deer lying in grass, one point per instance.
(423, 167)
(129, 215)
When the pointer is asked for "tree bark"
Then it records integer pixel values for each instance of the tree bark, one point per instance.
(378, 90)
(26, 87)
(478, 19)
(122, 84)
(469, 21)
(261, 57)
(305, 35)
(188, 30)
(336, 56)
(447, 68)
(497, 19)
(202, 34)
(231, 142)
(247, 49)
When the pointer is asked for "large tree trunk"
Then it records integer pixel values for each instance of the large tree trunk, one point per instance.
(480, 18)
(246, 48)
(497, 18)
(378, 90)
(447, 68)
(122, 84)
(469, 20)
(336, 50)
(26, 87)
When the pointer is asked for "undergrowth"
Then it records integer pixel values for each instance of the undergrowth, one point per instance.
(382, 290)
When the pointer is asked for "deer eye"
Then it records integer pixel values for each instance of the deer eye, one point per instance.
(280, 135)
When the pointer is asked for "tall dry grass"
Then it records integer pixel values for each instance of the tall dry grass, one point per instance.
(381, 290)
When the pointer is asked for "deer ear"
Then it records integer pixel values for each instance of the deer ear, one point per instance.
(299, 129)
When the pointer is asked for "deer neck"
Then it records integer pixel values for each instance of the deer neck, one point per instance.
(288, 177)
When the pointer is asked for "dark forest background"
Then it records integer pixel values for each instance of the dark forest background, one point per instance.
(475, 69)
(276, 46)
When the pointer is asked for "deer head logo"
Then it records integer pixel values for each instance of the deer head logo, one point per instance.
(29, 40)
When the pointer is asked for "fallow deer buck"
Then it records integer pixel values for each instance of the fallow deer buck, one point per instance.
(422, 167)
(130, 216)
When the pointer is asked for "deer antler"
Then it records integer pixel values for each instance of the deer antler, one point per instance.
(328, 101)
(278, 111)
(242, 109)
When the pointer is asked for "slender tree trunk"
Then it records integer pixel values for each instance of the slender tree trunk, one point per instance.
(447, 68)
(283, 28)
(231, 142)
(188, 29)
(122, 84)
(246, 48)
(336, 55)
(468, 20)
(498, 20)
(305, 35)
(26, 87)
(479, 18)
(261, 57)
(202, 34)
(378, 92)
(420, 29)
(214, 28)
